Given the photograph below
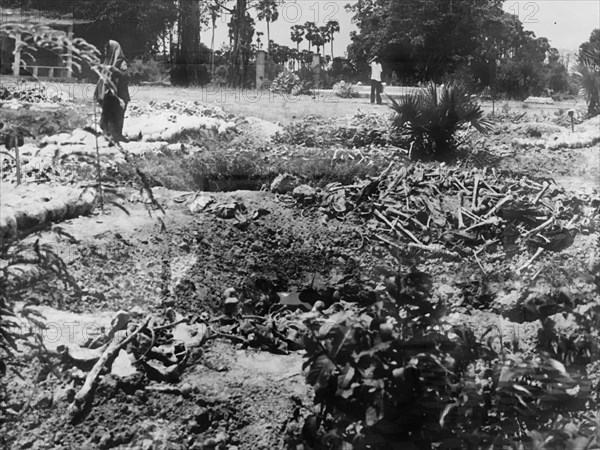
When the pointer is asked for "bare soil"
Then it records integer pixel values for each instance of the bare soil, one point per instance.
(238, 398)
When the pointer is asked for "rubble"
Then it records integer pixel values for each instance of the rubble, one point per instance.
(304, 194)
(228, 210)
(284, 184)
(586, 134)
(200, 203)
(159, 347)
(460, 213)
(22, 95)
(540, 100)
(164, 121)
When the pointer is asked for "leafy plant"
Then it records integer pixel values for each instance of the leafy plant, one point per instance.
(345, 90)
(303, 88)
(147, 70)
(220, 76)
(432, 116)
(397, 375)
(587, 73)
(289, 83)
(285, 82)
(21, 330)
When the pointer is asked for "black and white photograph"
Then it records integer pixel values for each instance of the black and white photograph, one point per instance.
(300, 224)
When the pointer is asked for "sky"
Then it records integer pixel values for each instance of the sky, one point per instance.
(566, 23)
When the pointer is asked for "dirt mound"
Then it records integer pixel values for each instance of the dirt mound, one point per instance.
(29, 208)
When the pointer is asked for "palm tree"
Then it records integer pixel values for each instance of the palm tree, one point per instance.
(333, 26)
(431, 118)
(311, 33)
(214, 13)
(267, 11)
(295, 56)
(306, 57)
(321, 38)
(297, 35)
(587, 72)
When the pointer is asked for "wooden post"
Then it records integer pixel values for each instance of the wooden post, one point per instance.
(260, 68)
(316, 67)
(15, 136)
(17, 53)
(2, 47)
(70, 53)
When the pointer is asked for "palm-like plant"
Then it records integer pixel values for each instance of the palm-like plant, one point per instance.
(297, 35)
(320, 38)
(311, 32)
(587, 72)
(432, 117)
(333, 26)
(267, 11)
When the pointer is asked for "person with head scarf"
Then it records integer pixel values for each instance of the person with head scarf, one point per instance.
(112, 93)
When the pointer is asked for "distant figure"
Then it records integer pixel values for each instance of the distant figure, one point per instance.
(376, 87)
(113, 99)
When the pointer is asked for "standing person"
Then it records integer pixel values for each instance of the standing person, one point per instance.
(113, 99)
(376, 87)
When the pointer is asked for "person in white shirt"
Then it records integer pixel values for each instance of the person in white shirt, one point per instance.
(376, 87)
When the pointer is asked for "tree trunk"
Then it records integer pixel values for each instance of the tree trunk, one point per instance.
(212, 48)
(238, 20)
(268, 38)
(332, 47)
(188, 58)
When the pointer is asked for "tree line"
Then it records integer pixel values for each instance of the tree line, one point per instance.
(479, 42)
(418, 40)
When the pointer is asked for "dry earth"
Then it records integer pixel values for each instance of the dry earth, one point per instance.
(232, 397)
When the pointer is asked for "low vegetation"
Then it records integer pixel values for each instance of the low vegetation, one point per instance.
(289, 83)
(397, 375)
(345, 90)
(587, 73)
(432, 116)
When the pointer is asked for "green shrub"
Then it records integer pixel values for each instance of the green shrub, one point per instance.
(285, 82)
(344, 90)
(148, 70)
(587, 72)
(289, 83)
(22, 330)
(432, 116)
(397, 375)
(303, 88)
(363, 130)
(220, 76)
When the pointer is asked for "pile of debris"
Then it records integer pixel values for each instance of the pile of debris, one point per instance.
(585, 134)
(158, 346)
(165, 121)
(187, 108)
(15, 97)
(458, 212)
(360, 130)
